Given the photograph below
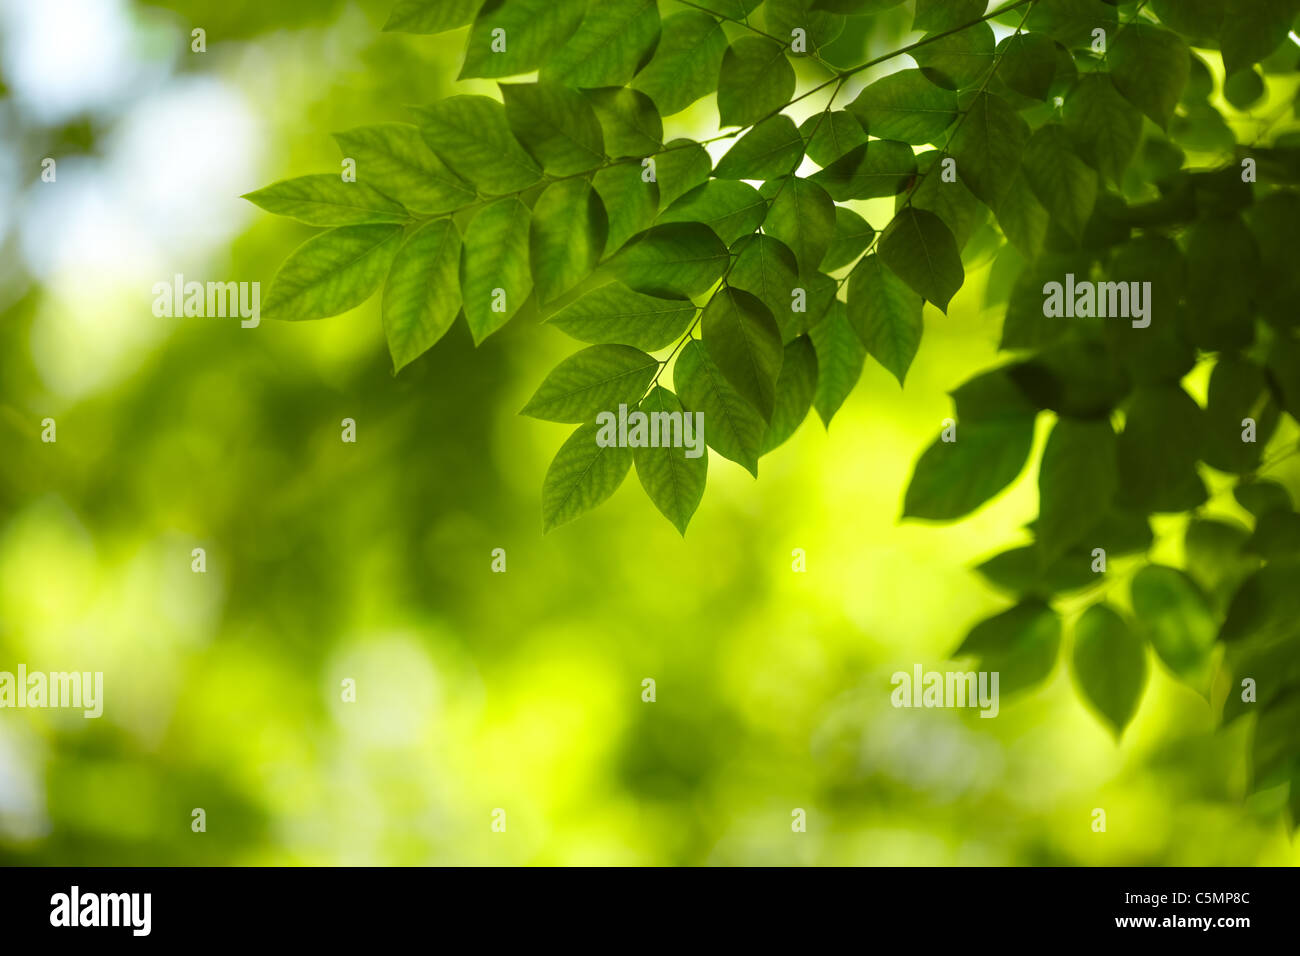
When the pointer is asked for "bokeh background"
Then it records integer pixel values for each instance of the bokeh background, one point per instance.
(372, 561)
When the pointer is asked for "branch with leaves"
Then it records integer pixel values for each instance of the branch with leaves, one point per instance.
(1046, 141)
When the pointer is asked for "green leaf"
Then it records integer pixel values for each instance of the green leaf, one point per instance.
(614, 313)
(566, 238)
(1261, 496)
(1216, 558)
(852, 236)
(471, 135)
(937, 15)
(615, 38)
(326, 200)
(332, 272)
(431, 16)
(1021, 216)
(1199, 19)
(1252, 29)
(1237, 392)
(556, 125)
(1244, 89)
(772, 148)
(534, 30)
(756, 80)
(765, 267)
(1162, 439)
(597, 379)
(921, 251)
(734, 428)
(1020, 645)
(821, 28)
(1076, 482)
(959, 60)
(673, 479)
(729, 207)
(1072, 21)
(802, 216)
(686, 62)
(1150, 67)
(1103, 126)
(1223, 263)
(1062, 182)
(831, 134)
(952, 479)
(395, 159)
(629, 119)
(1175, 618)
(1021, 572)
(630, 202)
(673, 259)
(905, 106)
(581, 476)
(1110, 665)
(869, 171)
(840, 357)
(494, 276)
(422, 295)
(952, 202)
(744, 341)
(988, 145)
(795, 388)
(682, 166)
(886, 314)
(1029, 63)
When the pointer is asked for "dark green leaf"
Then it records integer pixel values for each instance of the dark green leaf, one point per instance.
(326, 200)
(765, 267)
(532, 31)
(1021, 572)
(1062, 182)
(755, 81)
(614, 313)
(1020, 645)
(921, 251)
(987, 146)
(852, 236)
(566, 237)
(795, 388)
(672, 478)
(1150, 68)
(1237, 392)
(1076, 482)
(733, 427)
(431, 16)
(831, 134)
(744, 341)
(614, 39)
(772, 148)
(958, 60)
(394, 158)
(471, 135)
(422, 295)
(597, 379)
(802, 216)
(673, 259)
(1158, 449)
(785, 16)
(1110, 665)
(557, 126)
(630, 202)
(729, 207)
(869, 171)
(840, 357)
(936, 15)
(581, 476)
(886, 314)
(905, 106)
(629, 120)
(1072, 21)
(1103, 126)
(682, 166)
(686, 62)
(332, 272)
(1175, 618)
(494, 275)
(954, 478)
